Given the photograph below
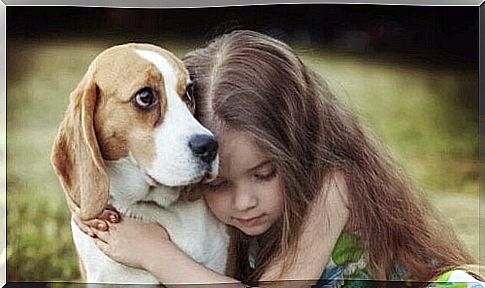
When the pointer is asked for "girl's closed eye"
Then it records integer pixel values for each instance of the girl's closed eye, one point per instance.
(265, 174)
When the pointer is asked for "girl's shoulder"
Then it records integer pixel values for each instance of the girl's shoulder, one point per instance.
(458, 278)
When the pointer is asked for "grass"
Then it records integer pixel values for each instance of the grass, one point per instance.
(417, 112)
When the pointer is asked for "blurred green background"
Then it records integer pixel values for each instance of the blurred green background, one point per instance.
(418, 95)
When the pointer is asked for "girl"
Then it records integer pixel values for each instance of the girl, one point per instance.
(306, 192)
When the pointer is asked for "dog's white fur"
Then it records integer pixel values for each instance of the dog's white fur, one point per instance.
(171, 166)
(134, 191)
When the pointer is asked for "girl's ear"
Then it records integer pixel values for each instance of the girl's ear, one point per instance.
(76, 156)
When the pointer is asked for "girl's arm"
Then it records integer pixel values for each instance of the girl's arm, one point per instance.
(184, 269)
(147, 246)
(326, 219)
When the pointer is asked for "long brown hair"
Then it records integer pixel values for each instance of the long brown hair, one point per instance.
(254, 83)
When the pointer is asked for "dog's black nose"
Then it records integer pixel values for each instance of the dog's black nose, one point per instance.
(204, 146)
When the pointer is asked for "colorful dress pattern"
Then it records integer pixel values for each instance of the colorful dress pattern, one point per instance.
(347, 268)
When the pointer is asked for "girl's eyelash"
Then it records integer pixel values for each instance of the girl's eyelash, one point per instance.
(268, 176)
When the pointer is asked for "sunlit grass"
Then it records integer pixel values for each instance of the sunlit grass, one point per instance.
(411, 110)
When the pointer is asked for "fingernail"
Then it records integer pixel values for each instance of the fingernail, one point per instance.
(101, 226)
(113, 218)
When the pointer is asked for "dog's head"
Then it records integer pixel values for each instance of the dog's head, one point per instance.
(135, 100)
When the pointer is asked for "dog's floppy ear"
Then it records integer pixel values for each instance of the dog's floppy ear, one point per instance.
(76, 156)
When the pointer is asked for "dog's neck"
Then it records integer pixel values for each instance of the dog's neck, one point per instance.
(129, 186)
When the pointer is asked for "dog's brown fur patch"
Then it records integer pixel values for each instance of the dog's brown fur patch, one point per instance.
(102, 123)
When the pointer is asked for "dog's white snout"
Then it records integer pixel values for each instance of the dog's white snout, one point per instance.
(185, 151)
(204, 147)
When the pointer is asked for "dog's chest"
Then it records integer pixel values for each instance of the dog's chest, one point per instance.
(190, 225)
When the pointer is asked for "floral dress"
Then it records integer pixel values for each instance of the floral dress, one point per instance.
(347, 268)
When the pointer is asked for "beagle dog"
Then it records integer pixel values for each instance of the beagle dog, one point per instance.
(129, 139)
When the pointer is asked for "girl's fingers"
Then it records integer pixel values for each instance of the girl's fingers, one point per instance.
(102, 235)
(98, 224)
(82, 226)
(109, 214)
(75, 211)
(88, 226)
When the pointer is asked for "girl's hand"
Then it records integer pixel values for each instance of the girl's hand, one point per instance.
(132, 242)
(101, 223)
(147, 246)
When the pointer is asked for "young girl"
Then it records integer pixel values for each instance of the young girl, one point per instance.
(307, 194)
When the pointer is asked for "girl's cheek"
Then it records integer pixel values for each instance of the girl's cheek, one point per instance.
(219, 206)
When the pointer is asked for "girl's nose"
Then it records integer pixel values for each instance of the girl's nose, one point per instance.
(244, 200)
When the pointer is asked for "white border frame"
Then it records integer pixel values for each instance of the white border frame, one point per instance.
(173, 4)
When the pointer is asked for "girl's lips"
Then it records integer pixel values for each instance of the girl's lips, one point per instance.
(250, 222)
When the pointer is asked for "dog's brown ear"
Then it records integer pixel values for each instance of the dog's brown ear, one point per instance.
(76, 156)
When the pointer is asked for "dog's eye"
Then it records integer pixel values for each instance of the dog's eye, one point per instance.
(189, 96)
(144, 98)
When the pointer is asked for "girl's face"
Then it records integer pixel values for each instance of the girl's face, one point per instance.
(248, 192)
